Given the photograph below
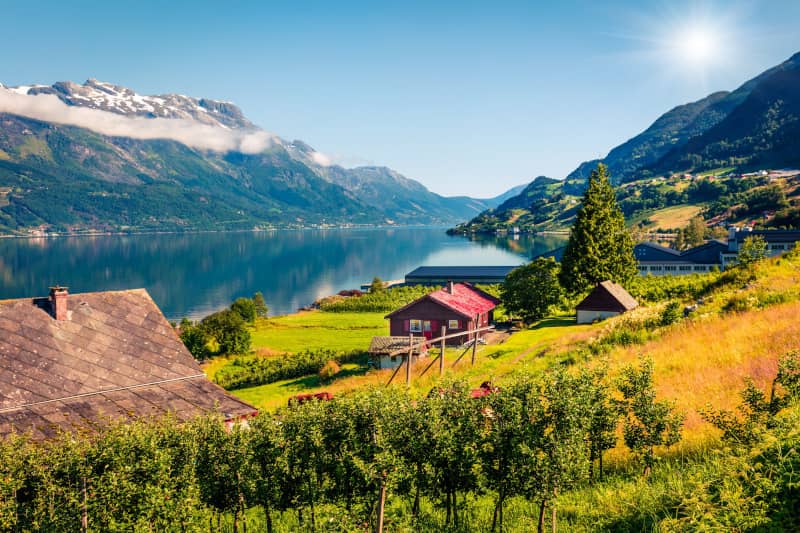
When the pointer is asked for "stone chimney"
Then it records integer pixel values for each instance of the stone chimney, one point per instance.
(450, 287)
(58, 302)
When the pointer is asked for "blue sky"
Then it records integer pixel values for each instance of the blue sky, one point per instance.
(466, 97)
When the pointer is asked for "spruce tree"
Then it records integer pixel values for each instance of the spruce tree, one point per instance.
(600, 247)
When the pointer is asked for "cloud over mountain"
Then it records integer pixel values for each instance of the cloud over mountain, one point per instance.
(49, 108)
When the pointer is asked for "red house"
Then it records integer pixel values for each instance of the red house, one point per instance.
(458, 307)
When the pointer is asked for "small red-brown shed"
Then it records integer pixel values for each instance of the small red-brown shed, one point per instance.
(457, 307)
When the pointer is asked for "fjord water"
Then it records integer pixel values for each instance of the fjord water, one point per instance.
(195, 274)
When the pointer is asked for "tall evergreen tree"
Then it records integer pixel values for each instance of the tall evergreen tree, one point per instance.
(600, 247)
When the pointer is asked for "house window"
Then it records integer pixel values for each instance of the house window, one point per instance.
(415, 326)
(452, 324)
(426, 325)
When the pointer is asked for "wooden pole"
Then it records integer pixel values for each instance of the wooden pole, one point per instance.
(441, 355)
(475, 338)
(381, 504)
(408, 360)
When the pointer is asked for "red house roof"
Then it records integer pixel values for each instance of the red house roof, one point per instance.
(461, 298)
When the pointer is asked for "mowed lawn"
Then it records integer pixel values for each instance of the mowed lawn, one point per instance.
(311, 330)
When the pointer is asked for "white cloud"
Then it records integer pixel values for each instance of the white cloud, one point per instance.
(49, 108)
(321, 159)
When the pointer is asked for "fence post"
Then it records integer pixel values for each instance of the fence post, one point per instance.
(408, 360)
(475, 338)
(441, 355)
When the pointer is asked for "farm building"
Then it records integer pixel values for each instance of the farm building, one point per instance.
(457, 307)
(440, 275)
(73, 361)
(382, 351)
(607, 299)
(718, 254)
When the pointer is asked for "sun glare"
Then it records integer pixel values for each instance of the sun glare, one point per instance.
(697, 46)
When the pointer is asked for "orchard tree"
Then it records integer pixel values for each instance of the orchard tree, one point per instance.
(600, 247)
(647, 423)
(531, 290)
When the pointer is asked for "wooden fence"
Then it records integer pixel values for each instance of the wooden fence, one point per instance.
(421, 341)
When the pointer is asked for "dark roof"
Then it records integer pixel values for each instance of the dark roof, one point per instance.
(770, 235)
(652, 252)
(385, 345)
(459, 273)
(608, 296)
(114, 356)
(465, 300)
(706, 253)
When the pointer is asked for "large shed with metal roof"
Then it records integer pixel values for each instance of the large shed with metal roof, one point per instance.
(439, 275)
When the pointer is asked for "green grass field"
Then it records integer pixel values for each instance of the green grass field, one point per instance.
(532, 349)
(309, 330)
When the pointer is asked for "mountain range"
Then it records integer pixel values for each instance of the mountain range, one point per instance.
(101, 157)
(754, 127)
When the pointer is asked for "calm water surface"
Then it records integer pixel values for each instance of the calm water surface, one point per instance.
(196, 274)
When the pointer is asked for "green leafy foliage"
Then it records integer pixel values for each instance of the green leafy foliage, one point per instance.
(245, 308)
(254, 370)
(261, 306)
(647, 422)
(530, 291)
(599, 247)
(382, 301)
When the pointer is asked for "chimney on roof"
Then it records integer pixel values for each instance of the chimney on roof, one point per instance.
(58, 302)
(450, 286)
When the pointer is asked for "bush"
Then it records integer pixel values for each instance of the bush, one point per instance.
(253, 370)
(328, 371)
(245, 308)
(671, 313)
(381, 301)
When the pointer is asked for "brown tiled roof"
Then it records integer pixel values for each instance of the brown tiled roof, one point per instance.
(115, 355)
(608, 296)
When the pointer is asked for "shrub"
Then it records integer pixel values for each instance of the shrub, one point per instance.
(329, 370)
(253, 370)
(671, 313)
(381, 301)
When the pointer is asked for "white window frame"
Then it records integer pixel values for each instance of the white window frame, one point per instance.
(451, 326)
(415, 325)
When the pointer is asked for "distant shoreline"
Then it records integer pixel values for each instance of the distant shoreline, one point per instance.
(202, 231)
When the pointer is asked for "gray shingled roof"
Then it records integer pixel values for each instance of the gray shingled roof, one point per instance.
(116, 355)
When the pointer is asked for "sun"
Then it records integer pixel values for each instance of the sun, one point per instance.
(697, 46)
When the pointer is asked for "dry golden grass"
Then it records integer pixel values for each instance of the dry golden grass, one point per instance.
(705, 362)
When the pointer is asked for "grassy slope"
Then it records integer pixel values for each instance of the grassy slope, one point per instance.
(675, 217)
(698, 362)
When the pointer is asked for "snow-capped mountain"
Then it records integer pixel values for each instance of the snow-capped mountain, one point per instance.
(105, 96)
(120, 162)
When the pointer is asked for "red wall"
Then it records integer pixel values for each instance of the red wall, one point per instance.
(438, 315)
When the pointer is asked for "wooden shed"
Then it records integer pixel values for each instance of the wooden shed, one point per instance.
(73, 361)
(457, 307)
(381, 351)
(607, 299)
